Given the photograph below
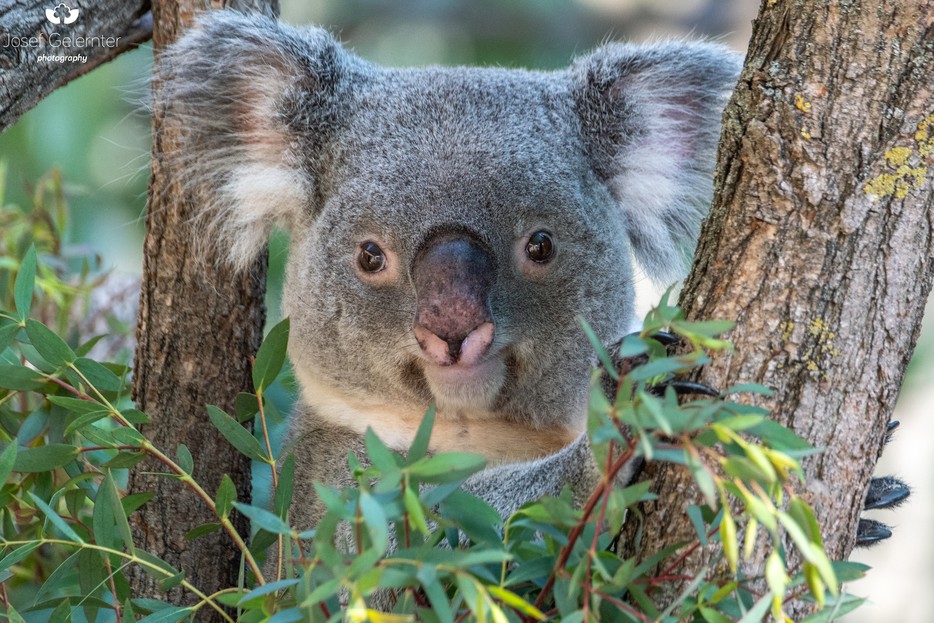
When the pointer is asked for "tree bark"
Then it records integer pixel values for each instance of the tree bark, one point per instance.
(199, 326)
(24, 80)
(819, 244)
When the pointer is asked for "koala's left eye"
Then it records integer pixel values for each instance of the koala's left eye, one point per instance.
(371, 258)
(541, 247)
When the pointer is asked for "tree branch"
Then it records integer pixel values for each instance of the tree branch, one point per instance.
(819, 244)
(110, 27)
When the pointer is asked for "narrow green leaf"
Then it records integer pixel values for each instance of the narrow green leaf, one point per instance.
(19, 378)
(269, 587)
(446, 467)
(134, 501)
(263, 519)
(226, 496)
(104, 522)
(7, 461)
(600, 349)
(271, 355)
(8, 331)
(203, 529)
(124, 460)
(239, 437)
(414, 508)
(55, 518)
(118, 512)
(17, 555)
(283, 498)
(12, 615)
(380, 456)
(85, 419)
(756, 614)
(44, 458)
(172, 614)
(52, 348)
(420, 444)
(25, 284)
(185, 460)
(98, 375)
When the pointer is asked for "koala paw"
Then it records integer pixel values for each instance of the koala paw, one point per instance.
(885, 492)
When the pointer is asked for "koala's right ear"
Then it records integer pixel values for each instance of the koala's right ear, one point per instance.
(254, 103)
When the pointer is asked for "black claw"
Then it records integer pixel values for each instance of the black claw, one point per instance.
(870, 532)
(886, 492)
(685, 387)
(890, 430)
(665, 338)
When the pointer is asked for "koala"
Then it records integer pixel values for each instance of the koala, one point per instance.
(448, 228)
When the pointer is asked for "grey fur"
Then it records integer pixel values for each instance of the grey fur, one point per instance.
(284, 128)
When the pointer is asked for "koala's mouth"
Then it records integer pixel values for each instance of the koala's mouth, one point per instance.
(466, 386)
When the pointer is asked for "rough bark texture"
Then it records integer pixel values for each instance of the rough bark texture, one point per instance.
(819, 242)
(24, 80)
(199, 326)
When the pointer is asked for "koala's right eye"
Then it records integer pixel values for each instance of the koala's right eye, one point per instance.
(371, 258)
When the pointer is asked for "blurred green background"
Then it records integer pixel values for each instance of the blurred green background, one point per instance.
(96, 130)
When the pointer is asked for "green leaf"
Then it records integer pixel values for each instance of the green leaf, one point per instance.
(52, 348)
(226, 496)
(124, 460)
(172, 614)
(109, 514)
(185, 460)
(85, 419)
(282, 500)
(103, 518)
(98, 375)
(19, 378)
(25, 284)
(414, 508)
(269, 587)
(446, 467)
(55, 518)
(848, 571)
(382, 457)
(134, 501)
(7, 461)
(8, 331)
(600, 349)
(12, 615)
(263, 519)
(203, 529)
(17, 555)
(271, 355)
(756, 614)
(239, 437)
(44, 458)
(374, 518)
(420, 444)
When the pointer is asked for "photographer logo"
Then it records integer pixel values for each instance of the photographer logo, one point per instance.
(62, 14)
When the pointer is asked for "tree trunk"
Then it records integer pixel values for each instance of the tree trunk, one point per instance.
(24, 80)
(199, 325)
(819, 244)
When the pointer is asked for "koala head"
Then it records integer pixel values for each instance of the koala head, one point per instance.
(448, 225)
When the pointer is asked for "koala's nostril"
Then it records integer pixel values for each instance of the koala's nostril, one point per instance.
(454, 347)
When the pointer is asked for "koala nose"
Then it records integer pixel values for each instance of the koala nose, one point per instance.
(453, 323)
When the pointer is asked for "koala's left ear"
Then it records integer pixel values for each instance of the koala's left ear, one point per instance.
(651, 120)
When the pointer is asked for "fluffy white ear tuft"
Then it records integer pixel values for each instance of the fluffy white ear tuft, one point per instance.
(253, 103)
(651, 120)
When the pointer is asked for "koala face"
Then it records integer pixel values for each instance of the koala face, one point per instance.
(449, 225)
(445, 263)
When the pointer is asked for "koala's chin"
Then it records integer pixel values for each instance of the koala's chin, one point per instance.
(462, 387)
